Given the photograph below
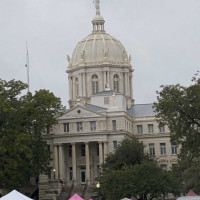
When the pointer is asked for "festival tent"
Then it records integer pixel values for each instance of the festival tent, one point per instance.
(190, 194)
(15, 195)
(76, 197)
(125, 199)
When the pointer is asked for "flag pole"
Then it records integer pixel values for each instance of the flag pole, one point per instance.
(27, 65)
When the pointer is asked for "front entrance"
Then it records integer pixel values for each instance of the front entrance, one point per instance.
(82, 176)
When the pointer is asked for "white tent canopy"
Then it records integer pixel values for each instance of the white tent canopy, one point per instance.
(15, 195)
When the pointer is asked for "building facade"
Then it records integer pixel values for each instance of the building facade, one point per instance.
(102, 112)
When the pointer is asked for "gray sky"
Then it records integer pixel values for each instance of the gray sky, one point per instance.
(163, 37)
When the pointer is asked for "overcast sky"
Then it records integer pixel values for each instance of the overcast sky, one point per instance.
(163, 37)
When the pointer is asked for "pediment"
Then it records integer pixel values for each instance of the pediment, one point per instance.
(79, 112)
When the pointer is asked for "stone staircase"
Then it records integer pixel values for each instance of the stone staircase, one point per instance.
(84, 191)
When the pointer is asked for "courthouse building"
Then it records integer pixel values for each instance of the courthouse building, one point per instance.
(101, 112)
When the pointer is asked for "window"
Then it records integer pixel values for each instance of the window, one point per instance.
(174, 149)
(162, 148)
(106, 100)
(115, 144)
(70, 174)
(79, 126)
(139, 129)
(93, 126)
(95, 84)
(66, 127)
(48, 129)
(70, 150)
(116, 82)
(114, 125)
(161, 129)
(83, 150)
(152, 149)
(97, 149)
(163, 166)
(150, 128)
(76, 87)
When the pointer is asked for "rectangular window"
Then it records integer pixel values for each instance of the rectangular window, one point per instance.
(93, 126)
(162, 148)
(152, 149)
(79, 126)
(97, 149)
(161, 129)
(70, 174)
(83, 150)
(174, 149)
(115, 144)
(114, 125)
(70, 150)
(66, 127)
(106, 100)
(48, 129)
(139, 129)
(150, 128)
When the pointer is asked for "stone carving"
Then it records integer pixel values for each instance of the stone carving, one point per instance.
(83, 55)
(97, 5)
(105, 53)
(129, 59)
(124, 56)
(68, 59)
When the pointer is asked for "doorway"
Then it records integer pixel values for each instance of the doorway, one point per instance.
(82, 176)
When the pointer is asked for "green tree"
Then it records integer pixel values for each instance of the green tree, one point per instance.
(122, 156)
(129, 172)
(178, 107)
(23, 119)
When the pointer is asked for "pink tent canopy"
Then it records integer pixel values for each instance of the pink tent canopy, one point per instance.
(76, 197)
(190, 194)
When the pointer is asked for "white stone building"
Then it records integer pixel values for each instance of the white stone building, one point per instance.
(102, 112)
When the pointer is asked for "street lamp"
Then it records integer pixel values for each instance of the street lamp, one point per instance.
(54, 173)
(98, 187)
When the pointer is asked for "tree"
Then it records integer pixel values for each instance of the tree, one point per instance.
(122, 156)
(129, 172)
(178, 107)
(23, 119)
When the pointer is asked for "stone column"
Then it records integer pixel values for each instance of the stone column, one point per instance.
(55, 151)
(74, 163)
(104, 80)
(100, 153)
(105, 150)
(131, 86)
(87, 160)
(84, 89)
(108, 79)
(80, 85)
(126, 83)
(61, 162)
(73, 88)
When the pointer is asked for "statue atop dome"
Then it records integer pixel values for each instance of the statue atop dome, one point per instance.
(97, 6)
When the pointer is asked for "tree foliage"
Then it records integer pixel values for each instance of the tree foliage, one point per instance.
(23, 119)
(129, 172)
(179, 108)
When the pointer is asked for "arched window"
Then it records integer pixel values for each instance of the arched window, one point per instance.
(95, 84)
(76, 87)
(116, 82)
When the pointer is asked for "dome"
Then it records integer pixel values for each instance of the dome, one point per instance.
(97, 48)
